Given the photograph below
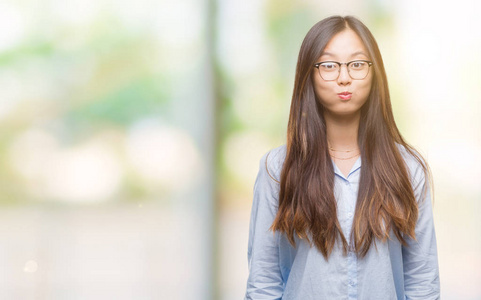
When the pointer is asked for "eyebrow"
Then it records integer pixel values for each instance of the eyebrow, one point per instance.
(354, 54)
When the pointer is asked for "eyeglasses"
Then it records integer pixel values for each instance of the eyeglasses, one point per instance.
(330, 70)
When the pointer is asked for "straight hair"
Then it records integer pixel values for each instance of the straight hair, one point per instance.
(385, 201)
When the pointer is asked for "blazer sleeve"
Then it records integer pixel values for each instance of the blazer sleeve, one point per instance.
(265, 279)
(420, 259)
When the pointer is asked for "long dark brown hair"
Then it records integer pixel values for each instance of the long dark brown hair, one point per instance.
(385, 200)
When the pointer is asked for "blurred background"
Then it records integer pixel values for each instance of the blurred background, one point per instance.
(131, 134)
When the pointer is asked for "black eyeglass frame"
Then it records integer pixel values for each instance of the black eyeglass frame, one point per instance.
(370, 63)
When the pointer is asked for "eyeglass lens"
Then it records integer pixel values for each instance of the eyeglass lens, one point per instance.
(331, 70)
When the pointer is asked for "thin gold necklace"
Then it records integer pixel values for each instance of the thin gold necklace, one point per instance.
(332, 149)
(346, 158)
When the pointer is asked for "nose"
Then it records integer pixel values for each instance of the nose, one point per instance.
(344, 77)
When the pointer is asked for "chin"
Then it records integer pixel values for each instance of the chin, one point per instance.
(344, 112)
(348, 113)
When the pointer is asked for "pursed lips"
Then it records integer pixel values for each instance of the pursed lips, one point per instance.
(345, 95)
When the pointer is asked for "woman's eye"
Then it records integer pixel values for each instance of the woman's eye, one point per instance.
(357, 65)
(329, 66)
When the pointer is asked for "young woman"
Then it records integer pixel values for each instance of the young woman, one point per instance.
(343, 210)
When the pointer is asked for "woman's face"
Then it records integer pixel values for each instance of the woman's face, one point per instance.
(344, 47)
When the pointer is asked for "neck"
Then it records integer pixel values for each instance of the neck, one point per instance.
(342, 131)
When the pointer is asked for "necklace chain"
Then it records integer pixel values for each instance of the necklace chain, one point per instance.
(332, 149)
(344, 158)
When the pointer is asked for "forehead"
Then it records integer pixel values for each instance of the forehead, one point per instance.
(345, 45)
